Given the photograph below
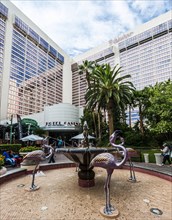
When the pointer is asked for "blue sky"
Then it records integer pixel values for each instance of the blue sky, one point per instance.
(79, 25)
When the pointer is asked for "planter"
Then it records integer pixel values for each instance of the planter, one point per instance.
(3, 170)
(146, 158)
(158, 158)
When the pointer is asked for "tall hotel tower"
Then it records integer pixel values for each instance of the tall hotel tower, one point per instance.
(36, 73)
(33, 69)
(145, 53)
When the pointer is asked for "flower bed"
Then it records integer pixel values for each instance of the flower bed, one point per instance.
(1, 160)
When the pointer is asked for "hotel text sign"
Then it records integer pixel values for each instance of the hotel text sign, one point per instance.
(59, 123)
(120, 38)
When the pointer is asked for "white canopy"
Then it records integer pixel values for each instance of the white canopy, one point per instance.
(81, 136)
(32, 137)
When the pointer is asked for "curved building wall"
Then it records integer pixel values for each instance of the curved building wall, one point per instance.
(62, 116)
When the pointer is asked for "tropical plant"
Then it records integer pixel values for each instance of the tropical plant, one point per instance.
(159, 112)
(109, 91)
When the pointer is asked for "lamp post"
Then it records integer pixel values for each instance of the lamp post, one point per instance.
(11, 129)
(14, 136)
(4, 132)
(28, 128)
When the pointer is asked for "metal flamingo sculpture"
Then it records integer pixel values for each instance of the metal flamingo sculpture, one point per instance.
(131, 152)
(110, 162)
(35, 156)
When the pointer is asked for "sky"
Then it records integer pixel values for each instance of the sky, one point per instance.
(79, 25)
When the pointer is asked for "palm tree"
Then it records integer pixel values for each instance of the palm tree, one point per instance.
(87, 67)
(108, 91)
(141, 100)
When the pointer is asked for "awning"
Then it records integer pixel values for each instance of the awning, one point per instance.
(81, 136)
(32, 137)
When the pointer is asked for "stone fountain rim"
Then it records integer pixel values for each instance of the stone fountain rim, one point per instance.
(85, 150)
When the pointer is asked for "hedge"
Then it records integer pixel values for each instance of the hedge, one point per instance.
(7, 147)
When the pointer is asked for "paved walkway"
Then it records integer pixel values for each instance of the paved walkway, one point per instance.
(166, 169)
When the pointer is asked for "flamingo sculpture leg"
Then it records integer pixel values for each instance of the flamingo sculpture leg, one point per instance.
(132, 172)
(33, 186)
(131, 153)
(108, 210)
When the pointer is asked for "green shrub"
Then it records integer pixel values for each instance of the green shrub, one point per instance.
(29, 149)
(133, 138)
(6, 147)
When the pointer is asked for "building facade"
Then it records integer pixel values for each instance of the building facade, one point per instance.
(32, 66)
(59, 120)
(144, 53)
(79, 84)
(35, 72)
(147, 56)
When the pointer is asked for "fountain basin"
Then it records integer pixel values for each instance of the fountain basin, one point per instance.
(82, 157)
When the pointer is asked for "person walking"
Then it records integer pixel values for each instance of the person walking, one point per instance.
(52, 150)
(60, 142)
(166, 154)
(49, 149)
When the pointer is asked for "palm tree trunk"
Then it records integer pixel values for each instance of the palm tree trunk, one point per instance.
(110, 119)
(110, 116)
(141, 121)
(94, 121)
(88, 78)
(99, 126)
(129, 116)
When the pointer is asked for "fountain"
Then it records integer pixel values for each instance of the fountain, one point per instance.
(82, 156)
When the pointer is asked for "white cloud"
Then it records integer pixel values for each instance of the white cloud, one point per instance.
(150, 9)
(77, 26)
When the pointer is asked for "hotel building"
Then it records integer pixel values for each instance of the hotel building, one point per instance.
(39, 80)
(145, 53)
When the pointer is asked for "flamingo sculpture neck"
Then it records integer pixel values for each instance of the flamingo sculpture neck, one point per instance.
(112, 140)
